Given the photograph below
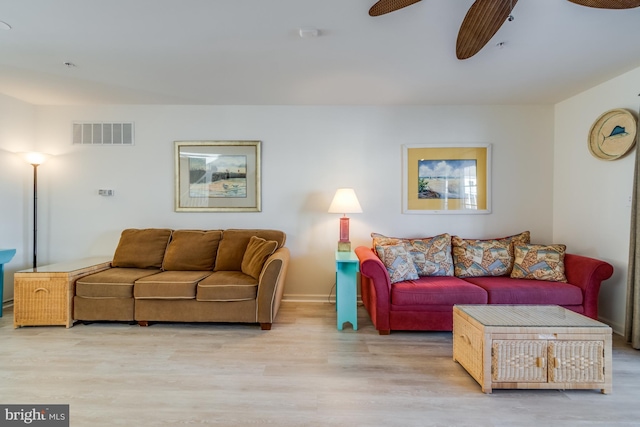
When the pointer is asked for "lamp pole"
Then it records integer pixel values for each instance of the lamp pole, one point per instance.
(35, 214)
(35, 160)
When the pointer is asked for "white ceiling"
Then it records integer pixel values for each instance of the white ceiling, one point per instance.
(248, 52)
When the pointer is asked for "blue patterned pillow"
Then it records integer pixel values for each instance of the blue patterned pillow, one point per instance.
(475, 258)
(539, 262)
(398, 263)
(431, 256)
(493, 257)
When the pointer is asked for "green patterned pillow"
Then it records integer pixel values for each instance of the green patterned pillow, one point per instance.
(492, 257)
(398, 263)
(431, 256)
(539, 262)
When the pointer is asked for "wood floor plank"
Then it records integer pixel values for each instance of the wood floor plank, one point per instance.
(304, 372)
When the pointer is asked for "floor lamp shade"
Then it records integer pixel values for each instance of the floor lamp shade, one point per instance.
(345, 201)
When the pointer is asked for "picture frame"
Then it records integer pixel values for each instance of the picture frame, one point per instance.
(446, 179)
(217, 176)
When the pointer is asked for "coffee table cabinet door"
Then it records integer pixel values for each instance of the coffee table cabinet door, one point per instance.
(519, 361)
(576, 361)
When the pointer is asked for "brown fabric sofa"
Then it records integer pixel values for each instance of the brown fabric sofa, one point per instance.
(234, 275)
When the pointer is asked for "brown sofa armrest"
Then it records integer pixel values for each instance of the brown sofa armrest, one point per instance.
(271, 286)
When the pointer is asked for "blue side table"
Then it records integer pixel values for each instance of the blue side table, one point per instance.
(5, 256)
(347, 267)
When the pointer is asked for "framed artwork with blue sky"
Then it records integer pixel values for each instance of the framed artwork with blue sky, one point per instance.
(446, 179)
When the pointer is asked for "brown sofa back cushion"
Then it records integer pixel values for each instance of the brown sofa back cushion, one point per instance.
(234, 244)
(141, 248)
(192, 250)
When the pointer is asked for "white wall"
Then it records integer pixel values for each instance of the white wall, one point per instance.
(17, 123)
(308, 152)
(591, 196)
(544, 178)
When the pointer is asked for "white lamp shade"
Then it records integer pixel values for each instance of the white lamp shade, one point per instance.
(34, 158)
(345, 201)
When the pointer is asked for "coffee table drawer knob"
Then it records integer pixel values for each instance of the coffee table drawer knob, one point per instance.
(540, 362)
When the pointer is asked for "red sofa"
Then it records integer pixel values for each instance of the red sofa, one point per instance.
(426, 304)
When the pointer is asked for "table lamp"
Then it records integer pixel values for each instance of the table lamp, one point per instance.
(344, 202)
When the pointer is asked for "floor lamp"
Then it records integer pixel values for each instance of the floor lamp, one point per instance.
(35, 160)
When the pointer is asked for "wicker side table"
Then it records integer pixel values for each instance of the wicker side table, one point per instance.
(532, 347)
(44, 295)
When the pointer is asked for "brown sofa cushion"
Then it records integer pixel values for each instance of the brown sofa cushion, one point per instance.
(192, 250)
(227, 286)
(169, 285)
(141, 248)
(258, 250)
(234, 244)
(111, 283)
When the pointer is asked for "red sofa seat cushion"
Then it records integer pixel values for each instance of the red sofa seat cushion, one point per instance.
(436, 290)
(505, 290)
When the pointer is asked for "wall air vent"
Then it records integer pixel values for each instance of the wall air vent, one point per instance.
(102, 133)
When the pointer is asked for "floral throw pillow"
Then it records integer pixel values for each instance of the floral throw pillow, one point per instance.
(539, 262)
(398, 263)
(431, 256)
(493, 257)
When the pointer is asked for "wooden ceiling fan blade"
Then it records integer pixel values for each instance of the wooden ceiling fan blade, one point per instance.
(608, 4)
(483, 20)
(385, 6)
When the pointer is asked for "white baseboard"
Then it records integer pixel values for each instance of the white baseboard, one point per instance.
(313, 298)
(308, 298)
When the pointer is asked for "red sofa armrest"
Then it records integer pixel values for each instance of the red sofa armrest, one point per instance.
(375, 288)
(588, 274)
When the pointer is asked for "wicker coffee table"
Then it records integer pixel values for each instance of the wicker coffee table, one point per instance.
(532, 347)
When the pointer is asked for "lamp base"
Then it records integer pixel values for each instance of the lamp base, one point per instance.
(344, 246)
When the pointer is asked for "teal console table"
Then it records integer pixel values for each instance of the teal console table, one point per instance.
(347, 267)
(5, 256)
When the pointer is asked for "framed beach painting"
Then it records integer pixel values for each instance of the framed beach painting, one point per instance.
(446, 179)
(217, 176)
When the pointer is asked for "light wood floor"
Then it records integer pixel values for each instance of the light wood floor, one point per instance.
(301, 373)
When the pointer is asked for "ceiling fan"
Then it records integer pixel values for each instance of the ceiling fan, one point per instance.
(485, 17)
